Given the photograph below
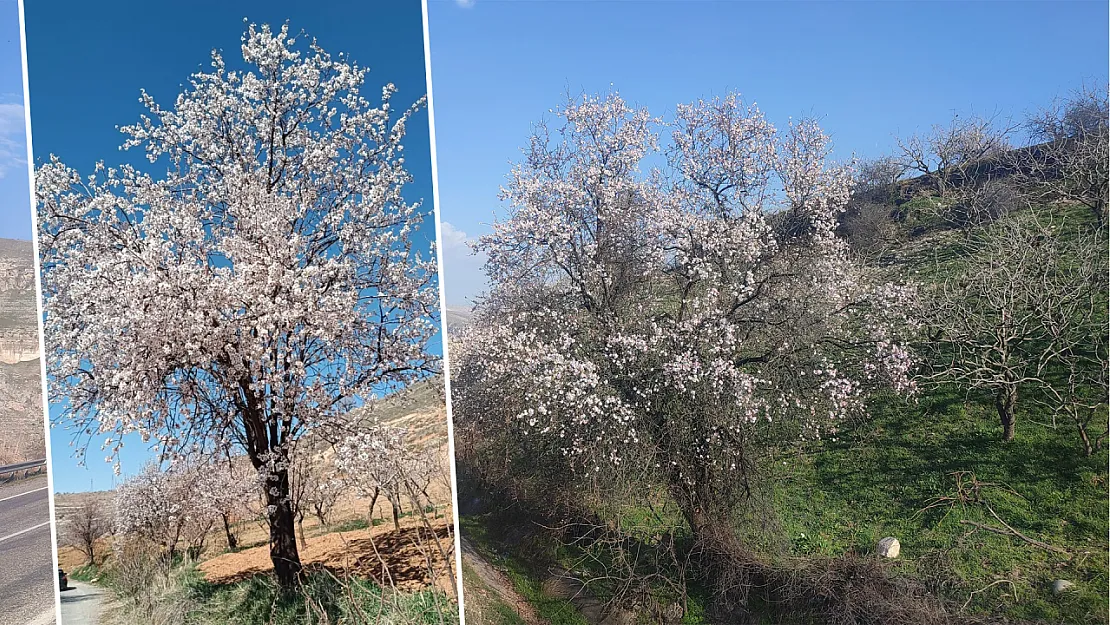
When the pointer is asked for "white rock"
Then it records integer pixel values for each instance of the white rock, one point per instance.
(889, 547)
(1061, 585)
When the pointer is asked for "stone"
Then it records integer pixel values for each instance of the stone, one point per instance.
(1061, 585)
(889, 547)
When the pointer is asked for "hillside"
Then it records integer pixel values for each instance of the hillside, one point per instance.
(991, 529)
(457, 318)
(22, 437)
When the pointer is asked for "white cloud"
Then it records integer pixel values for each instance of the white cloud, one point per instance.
(466, 4)
(13, 139)
(463, 277)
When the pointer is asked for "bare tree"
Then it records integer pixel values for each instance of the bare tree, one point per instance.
(85, 526)
(869, 228)
(1071, 162)
(959, 159)
(1080, 395)
(876, 179)
(1019, 311)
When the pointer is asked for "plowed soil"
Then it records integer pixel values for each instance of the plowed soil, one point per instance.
(403, 559)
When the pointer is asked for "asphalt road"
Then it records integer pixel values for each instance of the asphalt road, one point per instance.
(81, 604)
(26, 564)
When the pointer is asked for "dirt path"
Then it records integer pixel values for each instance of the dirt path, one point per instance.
(498, 583)
(82, 604)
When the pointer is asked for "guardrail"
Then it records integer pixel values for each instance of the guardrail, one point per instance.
(12, 471)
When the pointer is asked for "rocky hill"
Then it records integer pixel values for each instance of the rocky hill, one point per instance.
(22, 435)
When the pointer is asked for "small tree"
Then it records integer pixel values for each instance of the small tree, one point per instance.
(960, 159)
(162, 507)
(85, 526)
(224, 493)
(877, 179)
(315, 486)
(255, 291)
(370, 462)
(1072, 162)
(420, 468)
(1019, 313)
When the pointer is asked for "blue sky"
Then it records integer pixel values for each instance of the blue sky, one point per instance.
(88, 61)
(15, 194)
(869, 71)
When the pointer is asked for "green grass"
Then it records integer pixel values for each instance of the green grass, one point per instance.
(181, 595)
(526, 575)
(322, 599)
(482, 603)
(879, 478)
(85, 573)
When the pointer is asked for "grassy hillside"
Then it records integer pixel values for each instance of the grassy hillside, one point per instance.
(986, 526)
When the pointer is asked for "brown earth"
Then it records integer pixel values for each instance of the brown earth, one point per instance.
(407, 559)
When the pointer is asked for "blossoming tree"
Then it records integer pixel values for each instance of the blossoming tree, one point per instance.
(666, 318)
(224, 493)
(265, 283)
(372, 463)
(162, 508)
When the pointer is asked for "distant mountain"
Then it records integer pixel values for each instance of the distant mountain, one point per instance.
(457, 318)
(22, 436)
(18, 308)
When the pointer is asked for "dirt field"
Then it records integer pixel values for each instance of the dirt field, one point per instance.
(402, 559)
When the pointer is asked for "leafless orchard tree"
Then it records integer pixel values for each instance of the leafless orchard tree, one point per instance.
(868, 222)
(86, 525)
(1080, 395)
(959, 159)
(877, 178)
(869, 228)
(1021, 311)
(1071, 163)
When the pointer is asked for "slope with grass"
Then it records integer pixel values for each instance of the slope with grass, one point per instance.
(987, 527)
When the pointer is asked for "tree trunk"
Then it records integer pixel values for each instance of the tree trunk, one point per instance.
(1088, 448)
(395, 500)
(232, 541)
(435, 507)
(1005, 401)
(373, 502)
(283, 536)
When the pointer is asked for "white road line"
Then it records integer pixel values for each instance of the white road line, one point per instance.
(20, 533)
(26, 493)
